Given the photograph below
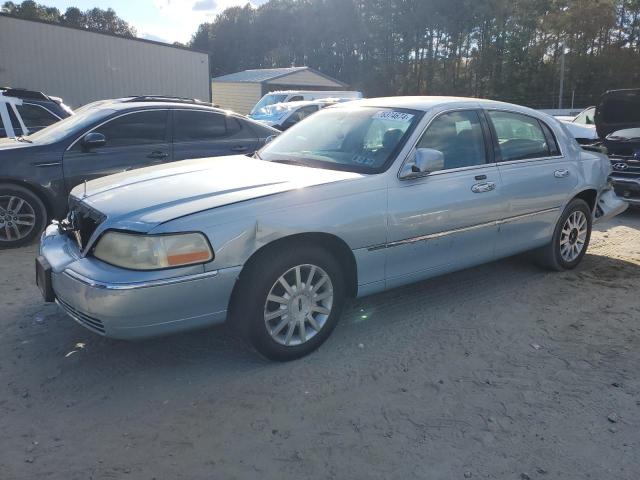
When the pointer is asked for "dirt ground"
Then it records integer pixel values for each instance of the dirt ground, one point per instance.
(504, 371)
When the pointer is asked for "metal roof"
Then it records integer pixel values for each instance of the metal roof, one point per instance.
(261, 75)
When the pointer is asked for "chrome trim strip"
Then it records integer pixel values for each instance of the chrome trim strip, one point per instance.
(445, 233)
(136, 285)
(50, 164)
(526, 215)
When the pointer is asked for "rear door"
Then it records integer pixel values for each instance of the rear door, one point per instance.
(133, 140)
(448, 219)
(538, 180)
(202, 134)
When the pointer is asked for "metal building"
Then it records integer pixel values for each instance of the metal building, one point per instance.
(82, 66)
(241, 91)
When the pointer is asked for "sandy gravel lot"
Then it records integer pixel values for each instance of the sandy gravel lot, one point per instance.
(498, 372)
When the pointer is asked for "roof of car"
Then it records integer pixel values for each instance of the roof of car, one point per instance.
(428, 102)
(127, 103)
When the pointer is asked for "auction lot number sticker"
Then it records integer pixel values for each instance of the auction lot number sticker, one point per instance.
(393, 115)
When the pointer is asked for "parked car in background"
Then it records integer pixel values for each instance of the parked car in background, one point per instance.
(23, 112)
(38, 171)
(285, 115)
(358, 198)
(582, 126)
(301, 95)
(616, 120)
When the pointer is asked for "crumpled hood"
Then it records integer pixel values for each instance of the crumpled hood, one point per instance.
(154, 195)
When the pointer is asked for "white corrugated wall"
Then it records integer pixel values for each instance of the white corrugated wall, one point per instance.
(82, 66)
(237, 96)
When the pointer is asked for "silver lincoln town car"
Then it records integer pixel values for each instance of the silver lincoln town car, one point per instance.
(356, 199)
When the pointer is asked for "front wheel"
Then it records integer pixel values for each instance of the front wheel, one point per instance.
(570, 238)
(22, 216)
(289, 302)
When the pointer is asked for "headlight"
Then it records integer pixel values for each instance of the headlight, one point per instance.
(153, 252)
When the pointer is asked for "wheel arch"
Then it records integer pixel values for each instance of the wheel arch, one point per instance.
(35, 189)
(590, 196)
(332, 243)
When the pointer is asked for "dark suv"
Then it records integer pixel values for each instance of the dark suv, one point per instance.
(23, 112)
(106, 137)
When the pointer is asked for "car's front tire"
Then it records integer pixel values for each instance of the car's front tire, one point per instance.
(289, 301)
(22, 216)
(570, 238)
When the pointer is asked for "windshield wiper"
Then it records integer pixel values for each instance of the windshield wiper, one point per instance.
(22, 139)
(289, 162)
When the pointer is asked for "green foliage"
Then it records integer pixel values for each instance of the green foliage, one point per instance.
(503, 49)
(94, 19)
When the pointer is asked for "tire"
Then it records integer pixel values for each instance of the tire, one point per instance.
(27, 219)
(260, 321)
(566, 238)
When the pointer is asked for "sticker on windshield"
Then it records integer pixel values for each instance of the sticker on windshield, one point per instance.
(393, 115)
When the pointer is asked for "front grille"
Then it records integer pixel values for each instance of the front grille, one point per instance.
(88, 321)
(625, 167)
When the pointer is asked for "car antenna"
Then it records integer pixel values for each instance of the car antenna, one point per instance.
(85, 188)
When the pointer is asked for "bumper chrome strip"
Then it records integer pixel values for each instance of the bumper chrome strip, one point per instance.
(432, 236)
(136, 285)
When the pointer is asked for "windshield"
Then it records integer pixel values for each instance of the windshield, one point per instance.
(69, 125)
(273, 112)
(267, 100)
(356, 139)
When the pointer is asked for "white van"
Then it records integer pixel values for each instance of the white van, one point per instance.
(284, 96)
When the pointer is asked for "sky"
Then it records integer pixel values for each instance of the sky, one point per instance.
(163, 20)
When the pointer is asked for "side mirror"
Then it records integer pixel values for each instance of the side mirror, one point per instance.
(93, 140)
(427, 160)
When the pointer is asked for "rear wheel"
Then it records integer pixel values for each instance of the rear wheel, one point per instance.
(288, 302)
(22, 216)
(570, 239)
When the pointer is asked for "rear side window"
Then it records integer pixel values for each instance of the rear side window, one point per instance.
(554, 150)
(195, 126)
(35, 116)
(519, 136)
(459, 136)
(17, 129)
(140, 128)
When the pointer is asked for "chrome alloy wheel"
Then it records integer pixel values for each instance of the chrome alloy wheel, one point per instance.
(298, 305)
(573, 236)
(17, 218)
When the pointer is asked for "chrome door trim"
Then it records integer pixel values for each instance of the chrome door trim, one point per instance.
(527, 160)
(445, 233)
(136, 285)
(527, 215)
(114, 118)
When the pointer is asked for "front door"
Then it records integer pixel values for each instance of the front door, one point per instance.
(448, 219)
(537, 180)
(133, 140)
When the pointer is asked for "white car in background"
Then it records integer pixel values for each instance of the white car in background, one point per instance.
(582, 126)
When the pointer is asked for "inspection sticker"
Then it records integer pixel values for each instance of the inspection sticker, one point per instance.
(393, 115)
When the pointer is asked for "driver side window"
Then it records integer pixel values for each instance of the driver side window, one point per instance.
(459, 136)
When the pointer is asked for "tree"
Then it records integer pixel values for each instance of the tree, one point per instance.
(94, 19)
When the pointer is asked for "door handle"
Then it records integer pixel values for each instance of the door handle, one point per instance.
(238, 148)
(158, 155)
(562, 173)
(483, 187)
